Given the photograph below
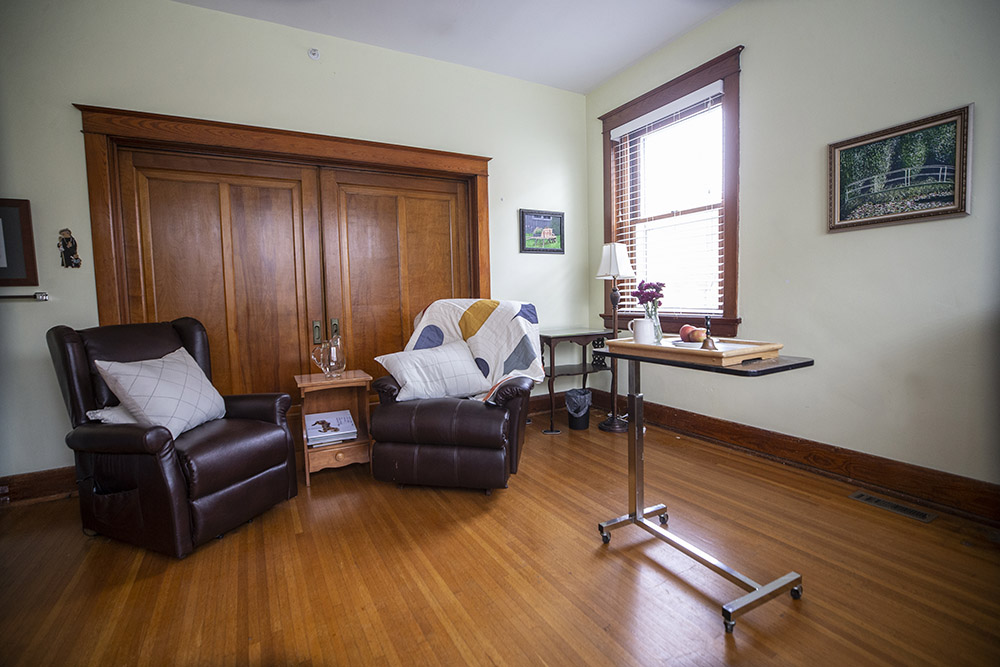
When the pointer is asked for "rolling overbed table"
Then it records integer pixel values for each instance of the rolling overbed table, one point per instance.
(757, 594)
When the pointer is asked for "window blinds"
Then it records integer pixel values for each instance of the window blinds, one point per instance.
(667, 173)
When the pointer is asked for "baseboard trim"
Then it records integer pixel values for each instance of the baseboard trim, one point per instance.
(33, 487)
(942, 491)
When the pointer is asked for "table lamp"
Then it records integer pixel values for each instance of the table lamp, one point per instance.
(615, 264)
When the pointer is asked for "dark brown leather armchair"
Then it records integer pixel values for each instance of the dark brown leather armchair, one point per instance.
(455, 442)
(140, 485)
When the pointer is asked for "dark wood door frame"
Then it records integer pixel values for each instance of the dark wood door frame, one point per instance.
(107, 130)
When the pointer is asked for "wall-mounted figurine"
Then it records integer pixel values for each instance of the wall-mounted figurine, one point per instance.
(67, 249)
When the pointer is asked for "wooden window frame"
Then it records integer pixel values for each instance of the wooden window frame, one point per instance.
(727, 68)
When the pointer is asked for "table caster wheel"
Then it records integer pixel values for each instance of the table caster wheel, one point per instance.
(663, 519)
(729, 626)
(796, 592)
(605, 537)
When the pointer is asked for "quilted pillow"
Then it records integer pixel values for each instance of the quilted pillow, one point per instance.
(171, 391)
(437, 372)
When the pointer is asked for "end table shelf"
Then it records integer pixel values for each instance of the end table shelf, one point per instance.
(584, 338)
(322, 394)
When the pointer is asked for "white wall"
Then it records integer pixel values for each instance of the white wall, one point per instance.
(164, 57)
(902, 321)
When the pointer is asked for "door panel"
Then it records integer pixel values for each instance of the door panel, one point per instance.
(184, 254)
(230, 243)
(393, 244)
(258, 250)
(268, 328)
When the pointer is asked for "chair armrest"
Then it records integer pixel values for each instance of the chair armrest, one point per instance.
(118, 438)
(387, 389)
(511, 389)
(270, 408)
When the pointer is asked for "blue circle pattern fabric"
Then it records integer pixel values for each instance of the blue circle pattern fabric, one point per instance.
(502, 335)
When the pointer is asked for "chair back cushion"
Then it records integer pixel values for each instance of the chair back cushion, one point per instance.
(73, 353)
(171, 391)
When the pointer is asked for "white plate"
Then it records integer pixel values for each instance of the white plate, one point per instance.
(682, 343)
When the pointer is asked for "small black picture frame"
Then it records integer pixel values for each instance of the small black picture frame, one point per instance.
(17, 244)
(542, 231)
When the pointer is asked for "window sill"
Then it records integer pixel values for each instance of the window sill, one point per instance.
(721, 326)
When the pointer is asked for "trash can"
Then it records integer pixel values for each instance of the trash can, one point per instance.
(578, 407)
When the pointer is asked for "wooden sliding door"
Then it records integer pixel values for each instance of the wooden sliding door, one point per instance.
(392, 245)
(264, 235)
(235, 244)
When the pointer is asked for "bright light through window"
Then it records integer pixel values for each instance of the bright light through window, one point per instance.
(672, 164)
(682, 165)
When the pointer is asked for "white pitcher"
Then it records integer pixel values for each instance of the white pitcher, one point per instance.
(642, 331)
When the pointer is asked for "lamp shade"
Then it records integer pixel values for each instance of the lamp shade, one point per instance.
(615, 262)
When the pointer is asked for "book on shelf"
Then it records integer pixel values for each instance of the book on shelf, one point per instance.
(329, 428)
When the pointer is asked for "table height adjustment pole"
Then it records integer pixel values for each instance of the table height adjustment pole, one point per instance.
(757, 594)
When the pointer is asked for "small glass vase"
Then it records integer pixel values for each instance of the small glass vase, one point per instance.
(654, 318)
(330, 358)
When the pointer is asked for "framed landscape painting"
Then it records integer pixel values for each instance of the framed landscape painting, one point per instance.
(911, 172)
(542, 231)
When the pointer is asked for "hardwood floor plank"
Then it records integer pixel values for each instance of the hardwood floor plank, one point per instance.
(355, 571)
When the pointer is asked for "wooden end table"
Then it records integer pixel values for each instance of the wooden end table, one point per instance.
(584, 338)
(322, 394)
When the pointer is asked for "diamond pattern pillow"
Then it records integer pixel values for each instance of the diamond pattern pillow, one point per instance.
(447, 370)
(171, 391)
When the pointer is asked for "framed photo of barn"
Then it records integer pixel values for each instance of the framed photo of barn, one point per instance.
(917, 171)
(542, 231)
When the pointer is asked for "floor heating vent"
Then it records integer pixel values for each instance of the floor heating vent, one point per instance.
(926, 517)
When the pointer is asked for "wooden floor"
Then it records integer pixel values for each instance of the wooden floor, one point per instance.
(358, 572)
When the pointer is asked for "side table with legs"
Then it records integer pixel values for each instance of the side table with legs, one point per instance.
(638, 512)
(349, 391)
(583, 337)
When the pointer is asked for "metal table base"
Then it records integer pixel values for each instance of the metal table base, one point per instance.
(757, 594)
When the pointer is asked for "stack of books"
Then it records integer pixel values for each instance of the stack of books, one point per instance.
(329, 428)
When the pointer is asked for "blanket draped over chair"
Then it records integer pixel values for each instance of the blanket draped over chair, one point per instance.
(455, 441)
(502, 335)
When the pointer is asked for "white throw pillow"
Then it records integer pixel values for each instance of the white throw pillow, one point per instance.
(116, 414)
(447, 370)
(171, 391)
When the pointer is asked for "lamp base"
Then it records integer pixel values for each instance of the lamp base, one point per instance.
(614, 425)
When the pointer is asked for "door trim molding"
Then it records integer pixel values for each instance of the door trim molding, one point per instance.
(106, 130)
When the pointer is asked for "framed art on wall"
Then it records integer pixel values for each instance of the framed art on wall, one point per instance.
(17, 244)
(916, 171)
(542, 231)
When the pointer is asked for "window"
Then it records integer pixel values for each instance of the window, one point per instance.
(671, 193)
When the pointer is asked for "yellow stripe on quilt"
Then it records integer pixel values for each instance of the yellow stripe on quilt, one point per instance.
(475, 315)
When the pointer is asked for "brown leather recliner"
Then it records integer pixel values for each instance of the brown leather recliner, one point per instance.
(137, 483)
(455, 442)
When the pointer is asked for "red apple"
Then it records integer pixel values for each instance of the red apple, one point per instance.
(697, 335)
(686, 332)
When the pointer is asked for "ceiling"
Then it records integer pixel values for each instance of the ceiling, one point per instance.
(569, 44)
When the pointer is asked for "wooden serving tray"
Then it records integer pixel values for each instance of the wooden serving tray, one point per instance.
(731, 351)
